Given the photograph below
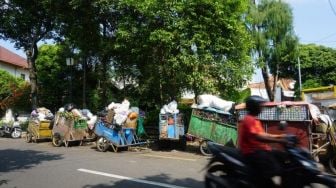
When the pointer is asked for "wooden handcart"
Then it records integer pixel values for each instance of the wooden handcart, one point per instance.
(39, 130)
(66, 129)
(321, 144)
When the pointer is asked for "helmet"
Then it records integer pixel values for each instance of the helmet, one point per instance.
(253, 104)
(69, 107)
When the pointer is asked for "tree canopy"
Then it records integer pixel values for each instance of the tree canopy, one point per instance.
(317, 66)
(25, 23)
(170, 45)
(275, 51)
(148, 51)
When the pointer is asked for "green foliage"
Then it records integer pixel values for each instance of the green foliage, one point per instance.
(317, 66)
(25, 23)
(152, 118)
(13, 92)
(237, 96)
(52, 75)
(22, 102)
(159, 35)
(271, 24)
(24, 125)
(147, 51)
(68, 115)
(7, 84)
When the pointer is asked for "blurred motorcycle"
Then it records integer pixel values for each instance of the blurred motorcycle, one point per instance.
(227, 168)
(13, 130)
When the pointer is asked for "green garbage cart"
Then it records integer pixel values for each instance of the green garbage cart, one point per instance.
(212, 125)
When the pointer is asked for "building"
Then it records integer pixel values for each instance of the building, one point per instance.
(283, 92)
(14, 64)
(323, 97)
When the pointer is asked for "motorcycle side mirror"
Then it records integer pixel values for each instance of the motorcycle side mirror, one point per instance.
(283, 125)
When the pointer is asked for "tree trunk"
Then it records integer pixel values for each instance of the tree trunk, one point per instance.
(268, 88)
(275, 80)
(31, 57)
(84, 82)
(104, 80)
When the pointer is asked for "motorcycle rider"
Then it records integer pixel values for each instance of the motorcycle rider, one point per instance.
(252, 142)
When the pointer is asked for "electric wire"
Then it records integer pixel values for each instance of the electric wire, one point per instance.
(332, 7)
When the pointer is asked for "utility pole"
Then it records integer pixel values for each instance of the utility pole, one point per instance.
(299, 67)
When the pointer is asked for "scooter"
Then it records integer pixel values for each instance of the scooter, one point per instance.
(13, 131)
(227, 168)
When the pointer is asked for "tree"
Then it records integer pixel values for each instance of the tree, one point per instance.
(90, 27)
(26, 23)
(11, 89)
(271, 24)
(317, 66)
(171, 45)
(52, 74)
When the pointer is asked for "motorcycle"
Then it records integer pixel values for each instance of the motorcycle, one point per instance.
(228, 169)
(13, 130)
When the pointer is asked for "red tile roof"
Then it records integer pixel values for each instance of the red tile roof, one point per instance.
(9, 57)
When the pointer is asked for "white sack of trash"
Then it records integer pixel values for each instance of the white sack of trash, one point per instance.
(212, 101)
(121, 111)
(170, 108)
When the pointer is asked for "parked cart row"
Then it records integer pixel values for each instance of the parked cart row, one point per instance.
(315, 131)
(67, 128)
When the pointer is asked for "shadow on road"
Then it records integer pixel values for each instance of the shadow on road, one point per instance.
(164, 179)
(11, 159)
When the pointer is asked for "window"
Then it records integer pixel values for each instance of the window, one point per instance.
(23, 76)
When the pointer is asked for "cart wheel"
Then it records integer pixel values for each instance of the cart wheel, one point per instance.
(56, 141)
(204, 148)
(28, 137)
(102, 144)
(332, 163)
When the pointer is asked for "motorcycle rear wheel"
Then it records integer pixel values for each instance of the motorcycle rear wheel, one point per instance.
(216, 177)
(16, 133)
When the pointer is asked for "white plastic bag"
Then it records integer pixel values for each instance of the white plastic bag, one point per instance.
(212, 101)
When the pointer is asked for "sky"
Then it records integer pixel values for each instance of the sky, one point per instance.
(314, 22)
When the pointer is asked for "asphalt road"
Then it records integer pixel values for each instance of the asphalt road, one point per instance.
(40, 165)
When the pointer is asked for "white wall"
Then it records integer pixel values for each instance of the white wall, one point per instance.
(15, 71)
(259, 92)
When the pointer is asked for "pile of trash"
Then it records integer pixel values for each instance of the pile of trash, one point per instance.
(76, 113)
(123, 115)
(42, 114)
(170, 108)
(207, 101)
